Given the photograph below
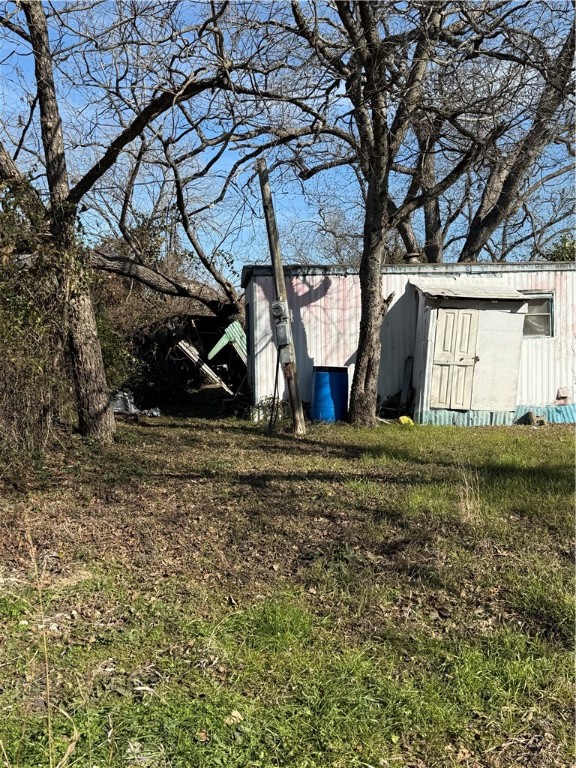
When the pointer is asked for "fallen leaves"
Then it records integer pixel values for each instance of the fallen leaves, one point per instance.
(331, 528)
(233, 718)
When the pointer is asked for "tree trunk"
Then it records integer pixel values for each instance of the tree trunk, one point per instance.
(365, 383)
(432, 221)
(433, 232)
(94, 411)
(95, 417)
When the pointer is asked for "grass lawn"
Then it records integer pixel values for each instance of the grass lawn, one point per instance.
(202, 593)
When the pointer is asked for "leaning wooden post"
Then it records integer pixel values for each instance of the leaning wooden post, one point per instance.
(280, 309)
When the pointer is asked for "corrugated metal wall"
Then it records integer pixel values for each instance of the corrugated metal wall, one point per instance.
(326, 307)
(548, 363)
(326, 313)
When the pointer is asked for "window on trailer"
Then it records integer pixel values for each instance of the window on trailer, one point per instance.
(539, 318)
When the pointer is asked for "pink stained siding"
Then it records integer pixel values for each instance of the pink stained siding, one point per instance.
(326, 312)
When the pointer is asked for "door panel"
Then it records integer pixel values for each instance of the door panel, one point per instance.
(466, 333)
(461, 389)
(499, 349)
(440, 393)
(445, 336)
(454, 359)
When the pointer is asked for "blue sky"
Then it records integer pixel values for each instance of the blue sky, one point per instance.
(89, 126)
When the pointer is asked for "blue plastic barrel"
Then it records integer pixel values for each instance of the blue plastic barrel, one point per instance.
(329, 393)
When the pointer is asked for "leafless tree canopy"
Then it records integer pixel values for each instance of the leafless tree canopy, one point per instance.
(434, 127)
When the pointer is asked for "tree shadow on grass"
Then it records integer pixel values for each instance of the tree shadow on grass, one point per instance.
(332, 512)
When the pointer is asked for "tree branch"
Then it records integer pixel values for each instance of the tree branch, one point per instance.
(150, 112)
(5, 22)
(152, 278)
(483, 225)
(207, 263)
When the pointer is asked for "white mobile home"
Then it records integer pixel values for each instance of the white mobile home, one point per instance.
(484, 343)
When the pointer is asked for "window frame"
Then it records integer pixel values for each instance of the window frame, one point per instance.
(540, 296)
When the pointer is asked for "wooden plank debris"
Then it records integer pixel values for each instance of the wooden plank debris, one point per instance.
(192, 353)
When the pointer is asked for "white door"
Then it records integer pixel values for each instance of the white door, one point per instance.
(454, 359)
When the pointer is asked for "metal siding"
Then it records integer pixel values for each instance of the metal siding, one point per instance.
(238, 337)
(398, 334)
(463, 287)
(432, 313)
(420, 351)
(411, 270)
(326, 312)
(554, 414)
(501, 418)
(445, 418)
(548, 363)
(248, 305)
(326, 306)
(264, 349)
(234, 335)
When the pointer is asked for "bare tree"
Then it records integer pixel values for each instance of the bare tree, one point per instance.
(44, 151)
(147, 239)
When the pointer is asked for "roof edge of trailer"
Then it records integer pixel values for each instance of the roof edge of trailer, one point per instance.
(463, 287)
(428, 270)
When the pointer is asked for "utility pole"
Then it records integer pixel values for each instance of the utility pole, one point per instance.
(280, 310)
